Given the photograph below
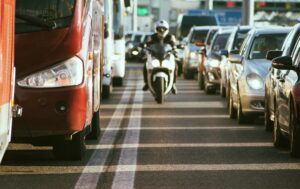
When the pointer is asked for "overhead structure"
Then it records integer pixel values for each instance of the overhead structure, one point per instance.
(248, 12)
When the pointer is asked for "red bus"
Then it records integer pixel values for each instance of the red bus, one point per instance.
(7, 73)
(58, 58)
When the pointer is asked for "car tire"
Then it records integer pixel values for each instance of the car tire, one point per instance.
(241, 118)
(106, 90)
(208, 90)
(71, 150)
(232, 110)
(96, 130)
(200, 81)
(267, 121)
(295, 134)
(278, 139)
(222, 90)
(117, 81)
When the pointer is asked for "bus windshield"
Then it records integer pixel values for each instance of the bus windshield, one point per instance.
(37, 15)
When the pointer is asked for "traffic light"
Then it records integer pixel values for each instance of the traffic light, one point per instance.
(142, 11)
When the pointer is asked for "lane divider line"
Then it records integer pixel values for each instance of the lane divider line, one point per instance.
(126, 180)
(99, 158)
(179, 145)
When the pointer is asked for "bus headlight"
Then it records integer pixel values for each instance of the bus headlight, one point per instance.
(67, 73)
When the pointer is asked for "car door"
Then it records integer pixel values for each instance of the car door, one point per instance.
(286, 81)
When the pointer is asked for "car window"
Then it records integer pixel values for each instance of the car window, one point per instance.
(239, 39)
(265, 42)
(245, 44)
(199, 35)
(295, 53)
(219, 42)
(230, 41)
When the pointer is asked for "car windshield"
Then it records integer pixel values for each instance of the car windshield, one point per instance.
(263, 43)
(199, 36)
(240, 37)
(137, 38)
(40, 15)
(219, 42)
(210, 36)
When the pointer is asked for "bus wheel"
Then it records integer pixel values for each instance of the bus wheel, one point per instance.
(71, 150)
(118, 81)
(95, 133)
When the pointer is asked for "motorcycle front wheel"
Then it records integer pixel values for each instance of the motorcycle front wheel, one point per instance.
(159, 90)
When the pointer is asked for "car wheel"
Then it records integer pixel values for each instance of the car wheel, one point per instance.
(118, 81)
(295, 135)
(207, 89)
(241, 118)
(267, 121)
(232, 110)
(95, 133)
(278, 139)
(200, 81)
(106, 90)
(71, 150)
(222, 90)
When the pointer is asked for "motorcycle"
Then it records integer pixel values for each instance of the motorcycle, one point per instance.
(160, 67)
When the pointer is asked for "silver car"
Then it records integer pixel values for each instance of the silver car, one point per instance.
(248, 71)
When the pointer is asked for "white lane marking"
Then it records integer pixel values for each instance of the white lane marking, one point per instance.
(168, 117)
(191, 128)
(90, 181)
(180, 92)
(176, 105)
(98, 169)
(126, 180)
(179, 145)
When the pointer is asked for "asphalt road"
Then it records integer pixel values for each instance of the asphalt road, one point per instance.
(188, 142)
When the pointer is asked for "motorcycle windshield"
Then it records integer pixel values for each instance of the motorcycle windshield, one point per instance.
(159, 51)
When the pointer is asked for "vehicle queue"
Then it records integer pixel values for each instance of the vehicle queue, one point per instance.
(257, 70)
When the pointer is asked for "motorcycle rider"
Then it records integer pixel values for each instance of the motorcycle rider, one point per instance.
(162, 34)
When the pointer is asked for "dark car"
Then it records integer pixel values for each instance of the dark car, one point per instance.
(271, 79)
(212, 72)
(287, 101)
(188, 21)
(234, 43)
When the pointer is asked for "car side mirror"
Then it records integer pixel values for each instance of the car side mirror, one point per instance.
(283, 63)
(224, 52)
(273, 54)
(235, 58)
(202, 51)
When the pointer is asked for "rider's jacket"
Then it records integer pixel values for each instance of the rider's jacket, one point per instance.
(169, 39)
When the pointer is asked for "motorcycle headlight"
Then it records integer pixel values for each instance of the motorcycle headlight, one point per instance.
(67, 73)
(155, 63)
(213, 63)
(254, 81)
(135, 52)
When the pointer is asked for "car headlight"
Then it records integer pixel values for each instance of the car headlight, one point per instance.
(67, 73)
(213, 63)
(193, 55)
(254, 81)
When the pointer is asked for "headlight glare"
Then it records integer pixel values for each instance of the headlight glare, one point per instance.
(67, 73)
(254, 81)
